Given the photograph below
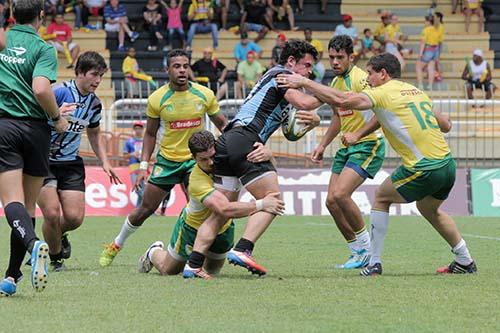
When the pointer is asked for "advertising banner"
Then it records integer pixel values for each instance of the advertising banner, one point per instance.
(485, 185)
(304, 192)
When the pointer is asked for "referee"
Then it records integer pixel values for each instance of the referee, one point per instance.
(28, 66)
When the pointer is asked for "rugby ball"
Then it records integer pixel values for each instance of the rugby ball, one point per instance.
(292, 130)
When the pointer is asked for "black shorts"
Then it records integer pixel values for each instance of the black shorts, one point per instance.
(231, 150)
(487, 85)
(66, 176)
(24, 144)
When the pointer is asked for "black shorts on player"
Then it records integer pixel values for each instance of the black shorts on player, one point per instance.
(66, 176)
(230, 160)
(24, 144)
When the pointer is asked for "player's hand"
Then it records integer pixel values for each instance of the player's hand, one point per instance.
(141, 177)
(260, 153)
(113, 177)
(67, 108)
(273, 204)
(61, 125)
(317, 154)
(290, 81)
(349, 139)
(308, 118)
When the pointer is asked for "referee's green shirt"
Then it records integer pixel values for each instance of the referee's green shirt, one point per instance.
(26, 56)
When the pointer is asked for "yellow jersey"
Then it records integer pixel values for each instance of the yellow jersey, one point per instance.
(182, 113)
(392, 31)
(405, 115)
(380, 31)
(431, 35)
(352, 120)
(201, 185)
(317, 45)
(200, 11)
(440, 29)
(474, 4)
(129, 65)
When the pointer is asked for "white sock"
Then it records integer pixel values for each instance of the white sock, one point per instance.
(363, 239)
(127, 230)
(153, 250)
(353, 246)
(462, 255)
(379, 222)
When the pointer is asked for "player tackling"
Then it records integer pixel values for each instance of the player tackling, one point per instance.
(427, 175)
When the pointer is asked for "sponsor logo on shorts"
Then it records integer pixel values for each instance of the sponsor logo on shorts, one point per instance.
(157, 171)
(345, 113)
(187, 123)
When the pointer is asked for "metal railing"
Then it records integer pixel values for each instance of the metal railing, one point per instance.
(474, 138)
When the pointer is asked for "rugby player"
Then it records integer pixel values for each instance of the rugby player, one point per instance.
(28, 66)
(260, 115)
(181, 105)
(427, 173)
(62, 198)
(203, 199)
(353, 164)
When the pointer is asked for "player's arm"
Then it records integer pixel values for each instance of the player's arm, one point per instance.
(348, 139)
(149, 140)
(332, 131)
(45, 97)
(100, 152)
(443, 121)
(2, 32)
(302, 101)
(219, 120)
(326, 94)
(219, 204)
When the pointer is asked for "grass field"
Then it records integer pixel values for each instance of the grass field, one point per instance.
(302, 292)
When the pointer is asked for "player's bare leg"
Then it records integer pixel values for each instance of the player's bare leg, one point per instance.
(213, 266)
(337, 214)
(346, 183)
(444, 224)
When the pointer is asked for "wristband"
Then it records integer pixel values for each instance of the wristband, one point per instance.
(56, 118)
(259, 204)
(144, 165)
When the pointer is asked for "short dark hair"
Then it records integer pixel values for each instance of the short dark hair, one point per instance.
(201, 141)
(176, 53)
(386, 61)
(439, 15)
(307, 29)
(341, 42)
(88, 61)
(366, 30)
(298, 49)
(26, 11)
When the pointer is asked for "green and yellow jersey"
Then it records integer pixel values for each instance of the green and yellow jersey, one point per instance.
(405, 114)
(352, 120)
(182, 114)
(201, 185)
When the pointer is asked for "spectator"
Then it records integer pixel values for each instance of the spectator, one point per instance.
(454, 5)
(438, 22)
(151, 13)
(221, 9)
(249, 72)
(477, 73)
(281, 8)
(51, 8)
(174, 21)
(132, 151)
(200, 14)
(211, 71)
(244, 46)
(318, 69)
(254, 17)
(473, 7)
(278, 47)
(94, 8)
(133, 74)
(379, 33)
(367, 43)
(116, 19)
(323, 6)
(429, 52)
(63, 41)
(393, 40)
(347, 28)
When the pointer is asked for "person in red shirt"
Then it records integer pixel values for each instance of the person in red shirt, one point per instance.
(63, 42)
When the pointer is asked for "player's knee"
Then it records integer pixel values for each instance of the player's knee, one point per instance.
(331, 203)
(73, 221)
(340, 196)
(51, 215)
(166, 270)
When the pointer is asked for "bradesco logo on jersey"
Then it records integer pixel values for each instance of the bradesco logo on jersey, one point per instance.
(184, 124)
(344, 112)
(14, 59)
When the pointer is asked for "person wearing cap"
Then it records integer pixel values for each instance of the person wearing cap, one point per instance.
(379, 33)
(132, 150)
(249, 72)
(347, 28)
(244, 46)
(429, 52)
(477, 73)
(254, 18)
(278, 47)
(200, 15)
(209, 70)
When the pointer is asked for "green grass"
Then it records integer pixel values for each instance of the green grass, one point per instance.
(302, 292)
